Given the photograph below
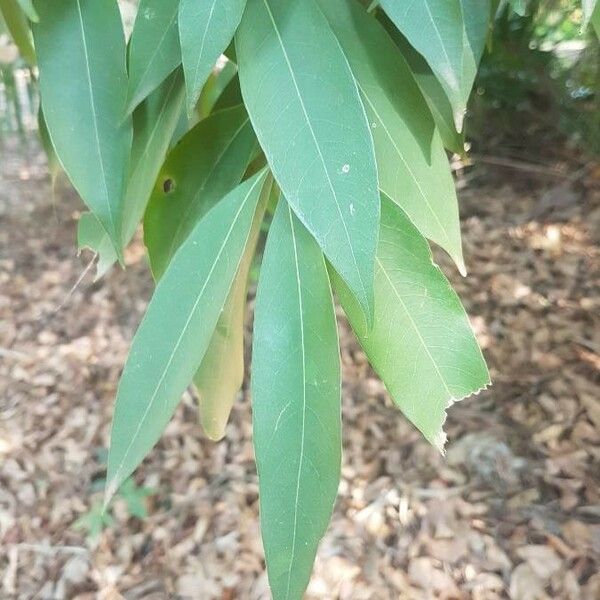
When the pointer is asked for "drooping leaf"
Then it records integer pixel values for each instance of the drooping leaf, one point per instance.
(16, 23)
(177, 328)
(310, 121)
(296, 403)
(231, 96)
(205, 29)
(413, 167)
(421, 344)
(80, 46)
(206, 164)
(596, 20)
(221, 373)
(435, 28)
(434, 94)
(588, 10)
(54, 167)
(154, 123)
(154, 50)
(91, 235)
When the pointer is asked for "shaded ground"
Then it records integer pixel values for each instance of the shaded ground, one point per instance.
(514, 510)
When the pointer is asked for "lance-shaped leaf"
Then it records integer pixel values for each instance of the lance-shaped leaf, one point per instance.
(413, 167)
(435, 29)
(153, 49)
(295, 403)
(154, 123)
(596, 21)
(80, 46)
(177, 328)
(16, 23)
(205, 30)
(221, 373)
(421, 344)
(308, 116)
(207, 163)
(217, 82)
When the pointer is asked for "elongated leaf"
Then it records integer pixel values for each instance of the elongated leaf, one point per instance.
(310, 121)
(18, 28)
(154, 123)
(296, 403)
(596, 20)
(435, 28)
(154, 48)
(29, 10)
(177, 328)
(412, 163)
(81, 54)
(91, 235)
(433, 92)
(207, 163)
(54, 167)
(421, 344)
(205, 29)
(221, 373)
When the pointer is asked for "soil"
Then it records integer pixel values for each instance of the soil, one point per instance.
(512, 511)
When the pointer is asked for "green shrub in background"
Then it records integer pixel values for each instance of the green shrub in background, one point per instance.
(327, 124)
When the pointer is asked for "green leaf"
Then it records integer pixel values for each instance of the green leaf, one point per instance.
(177, 328)
(154, 48)
(154, 123)
(135, 498)
(17, 26)
(413, 167)
(296, 403)
(221, 373)
(81, 54)
(421, 344)
(434, 94)
(205, 30)
(435, 29)
(207, 163)
(596, 20)
(29, 10)
(54, 167)
(308, 116)
(215, 85)
(90, 234)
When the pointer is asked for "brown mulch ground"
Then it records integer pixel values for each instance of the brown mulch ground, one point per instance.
(512, 512)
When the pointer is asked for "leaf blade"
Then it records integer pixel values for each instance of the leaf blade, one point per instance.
(170, 344)
(205, 165)
(418, 316)
(81, 56)
(318, 143)
(154, 50)
(295, 334)
(216, 20)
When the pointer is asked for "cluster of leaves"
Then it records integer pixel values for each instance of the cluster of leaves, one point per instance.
(328, 124)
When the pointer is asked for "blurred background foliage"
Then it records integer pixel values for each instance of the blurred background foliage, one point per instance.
(539, 82)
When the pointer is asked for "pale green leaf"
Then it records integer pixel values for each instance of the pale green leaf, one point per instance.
(221, 373)
(16, 23)
(308, 116)
(295, 403)
(413, 167)
(215, 85)
(588, 10)
(177, 328)
(435, 29)
(206, 164)
(421, 344)
(153, 49)
(91, 235)
(596, 20)
(154, 123)
(205, 30)
(81, 54)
